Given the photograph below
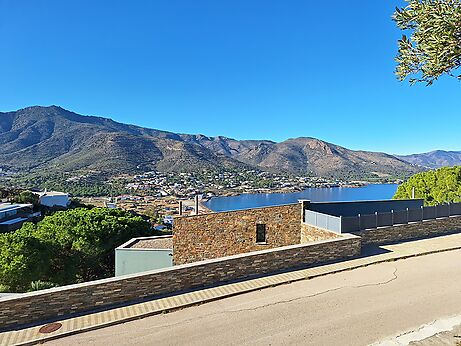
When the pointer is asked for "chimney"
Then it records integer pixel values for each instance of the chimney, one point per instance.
(180, 208)
(196, 204)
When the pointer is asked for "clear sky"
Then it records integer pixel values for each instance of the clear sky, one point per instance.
(246, 69)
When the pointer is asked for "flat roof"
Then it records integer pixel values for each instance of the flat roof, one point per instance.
(13, 221)
(9, 206)
(52, 193)
(150, 243)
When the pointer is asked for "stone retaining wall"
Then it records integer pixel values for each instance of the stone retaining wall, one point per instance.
(427, 228)
(311, 233)
(214, 235)
(60, 301)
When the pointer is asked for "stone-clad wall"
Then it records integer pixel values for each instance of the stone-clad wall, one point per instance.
(428, 228)
(54, 302)
(222, 234)
(311, 233)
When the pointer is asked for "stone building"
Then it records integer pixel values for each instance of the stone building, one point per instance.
(213, 235)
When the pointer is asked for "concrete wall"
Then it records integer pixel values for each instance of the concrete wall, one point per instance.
(129, 261)
(213, 235)
(311, 233)
(424, 229)
(47, 304)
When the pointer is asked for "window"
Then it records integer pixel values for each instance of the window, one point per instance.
(260, 233)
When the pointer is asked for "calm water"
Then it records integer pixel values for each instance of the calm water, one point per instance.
(369, 192)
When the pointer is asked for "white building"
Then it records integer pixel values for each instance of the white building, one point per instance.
(53, 199)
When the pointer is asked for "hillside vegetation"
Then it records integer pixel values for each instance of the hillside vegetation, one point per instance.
(435, 187)
(53, 139)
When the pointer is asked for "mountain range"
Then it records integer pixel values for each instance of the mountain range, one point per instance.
(52, 138)
(434, 159)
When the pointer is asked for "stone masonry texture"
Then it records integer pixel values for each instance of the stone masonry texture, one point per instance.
(61, 301)
(214, 235)
(311, 233)
(428, 228)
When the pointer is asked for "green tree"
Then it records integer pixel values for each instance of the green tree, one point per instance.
(435, 187)
(85, 241)
(27, 197)
(23, 258)
(67, 247)
(434, 45)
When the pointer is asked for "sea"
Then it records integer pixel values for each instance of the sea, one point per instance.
(369, 192)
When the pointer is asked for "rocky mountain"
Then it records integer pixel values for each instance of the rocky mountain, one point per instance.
(434, 159)
(53, 138)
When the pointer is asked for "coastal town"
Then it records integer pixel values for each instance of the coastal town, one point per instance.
(226, 183)
(157, 194)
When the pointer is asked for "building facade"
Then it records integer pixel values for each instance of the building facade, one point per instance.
(12, 216)
(144, 254)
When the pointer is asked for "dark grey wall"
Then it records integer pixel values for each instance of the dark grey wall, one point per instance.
(51, 303)
(363, 207)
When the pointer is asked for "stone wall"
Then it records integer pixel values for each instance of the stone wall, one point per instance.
(222, 234)
(428, 228)
(311, 233)
(52, 303)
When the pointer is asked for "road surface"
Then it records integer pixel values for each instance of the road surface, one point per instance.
(357, 307)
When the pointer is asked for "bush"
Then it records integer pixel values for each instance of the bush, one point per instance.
(41, 285)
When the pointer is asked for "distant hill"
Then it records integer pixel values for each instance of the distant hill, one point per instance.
(434, 159)
(53, 138)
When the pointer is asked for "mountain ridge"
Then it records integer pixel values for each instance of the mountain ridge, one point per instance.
(38, 137)
(434, 159)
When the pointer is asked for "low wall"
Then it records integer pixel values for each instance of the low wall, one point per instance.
(206, 236)
(311, 233)
(410, 231)
(363, 207)
(55, 302)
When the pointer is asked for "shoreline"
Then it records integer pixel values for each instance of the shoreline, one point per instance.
(205, 200)
(203, 207)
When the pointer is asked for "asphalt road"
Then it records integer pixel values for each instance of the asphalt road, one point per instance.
(357, 307)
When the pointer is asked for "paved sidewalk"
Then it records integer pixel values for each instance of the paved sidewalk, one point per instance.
(123, 314)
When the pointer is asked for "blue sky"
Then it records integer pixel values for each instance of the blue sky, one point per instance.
(247, 69)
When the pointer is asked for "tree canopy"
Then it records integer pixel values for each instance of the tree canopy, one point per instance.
(67, 247)
(434, 45)
(435, 187)
(27, 197)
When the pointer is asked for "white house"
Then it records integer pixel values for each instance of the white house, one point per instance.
(53, 199)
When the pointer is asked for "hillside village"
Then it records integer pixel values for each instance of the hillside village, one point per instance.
(163, 184)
